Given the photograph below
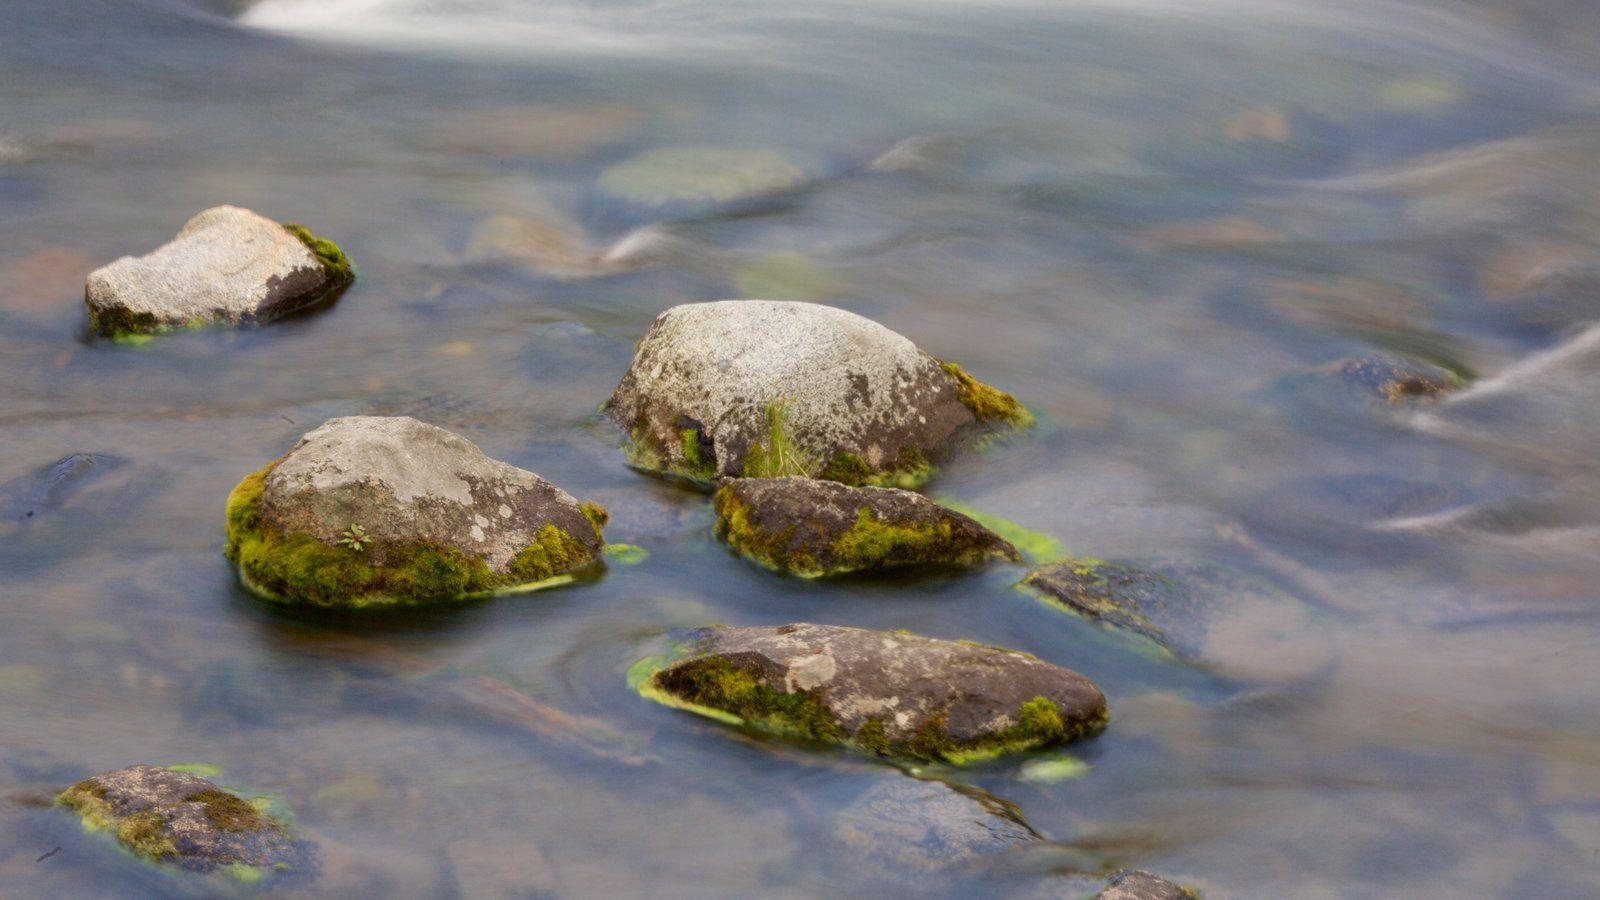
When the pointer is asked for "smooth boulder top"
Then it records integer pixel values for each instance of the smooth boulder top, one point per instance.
(182, 818)
(375, 508)
(811, 527)
(760, 387)
(890, 693)
(227, 265)
(1131, 884)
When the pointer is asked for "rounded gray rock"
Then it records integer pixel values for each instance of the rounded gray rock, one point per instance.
(1131, 884)
(768, 388)
(226, 266)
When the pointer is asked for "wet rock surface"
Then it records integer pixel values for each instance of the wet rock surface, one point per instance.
(26, 497)
(1130, 884)
(182, 818)
(889, 693)
(766, 388)
(811, 527)
(907, 823)
(1392, 379)
(226, 266)
(368, 509)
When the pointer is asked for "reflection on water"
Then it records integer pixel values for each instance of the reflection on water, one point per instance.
(1158, 223)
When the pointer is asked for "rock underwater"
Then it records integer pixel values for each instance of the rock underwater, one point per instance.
(891, 694)
(811, 528)
(226, 266)
(763, 388)
(374, 511)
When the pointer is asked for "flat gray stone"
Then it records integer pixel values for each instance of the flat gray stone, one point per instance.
(226, 266)
(812, 527)
(891, 693)
(909, 823)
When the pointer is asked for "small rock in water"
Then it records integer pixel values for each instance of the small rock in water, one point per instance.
(24, 498)
(1394, 380)
(179, 817)
(765, 389)
(1131, 884)
(372, 510)
(888, 693)
(1199, 611)
(695, 177)
(811, 528)
(908, 823)
(227, 266)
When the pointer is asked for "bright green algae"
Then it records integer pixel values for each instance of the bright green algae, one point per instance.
(299, 568)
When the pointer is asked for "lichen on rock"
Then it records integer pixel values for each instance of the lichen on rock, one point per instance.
(766, 388)
(226, 266)
(168, 815)
(812, 528)
(375, 511)
(890, 694)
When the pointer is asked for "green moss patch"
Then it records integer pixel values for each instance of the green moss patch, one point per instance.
(776, 456)
(299, 568)
(989, 405)
(340, 270)
(1035, 546)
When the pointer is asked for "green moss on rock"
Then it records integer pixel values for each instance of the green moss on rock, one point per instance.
(340, 270)
(989, 405)
(299, 568)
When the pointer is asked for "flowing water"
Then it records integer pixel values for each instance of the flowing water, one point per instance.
(1156, 221)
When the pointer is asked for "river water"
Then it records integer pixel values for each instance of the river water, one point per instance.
(1158, 222)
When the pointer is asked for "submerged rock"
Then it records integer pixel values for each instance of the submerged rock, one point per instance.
(1131, 884)
(227, 266)
(888, 693)
(700, 176)
(179, 817)
(372, 510)
(24, 498)
(811, 528)
(907, 823)
(765, 389)
(1392, 379)
(1199, 611)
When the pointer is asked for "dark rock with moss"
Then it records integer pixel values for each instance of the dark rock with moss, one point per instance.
(762, 388)
(812, 528)
(1131, 884)
(372, 510)
(1393, 379)
(892, 694)
(909, 825)
(1200, 611)
(182, 818)
(227, 266)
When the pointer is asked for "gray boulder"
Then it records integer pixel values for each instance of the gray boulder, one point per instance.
(227, 266)
(910, 824)
(1131, 884)
(765, 388)
(812, 528)
(888, 693)
(181, 818)
(370, 510)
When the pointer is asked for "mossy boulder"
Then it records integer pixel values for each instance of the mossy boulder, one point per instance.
(766, 388)
(809, 527)
(226, 266)
(179, 817)
(1132, 884)
(373, 510)
(892, 694)
(1202, 612)
(910, 826)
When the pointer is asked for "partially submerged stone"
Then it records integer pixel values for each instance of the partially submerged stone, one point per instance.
(907, 823)
(1393, 379)
(179, 817)
(227, 266)
(809, 527)
(1200, 611)
(1132, 884)
(373, 510)
(766, 388)
(892, 694)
